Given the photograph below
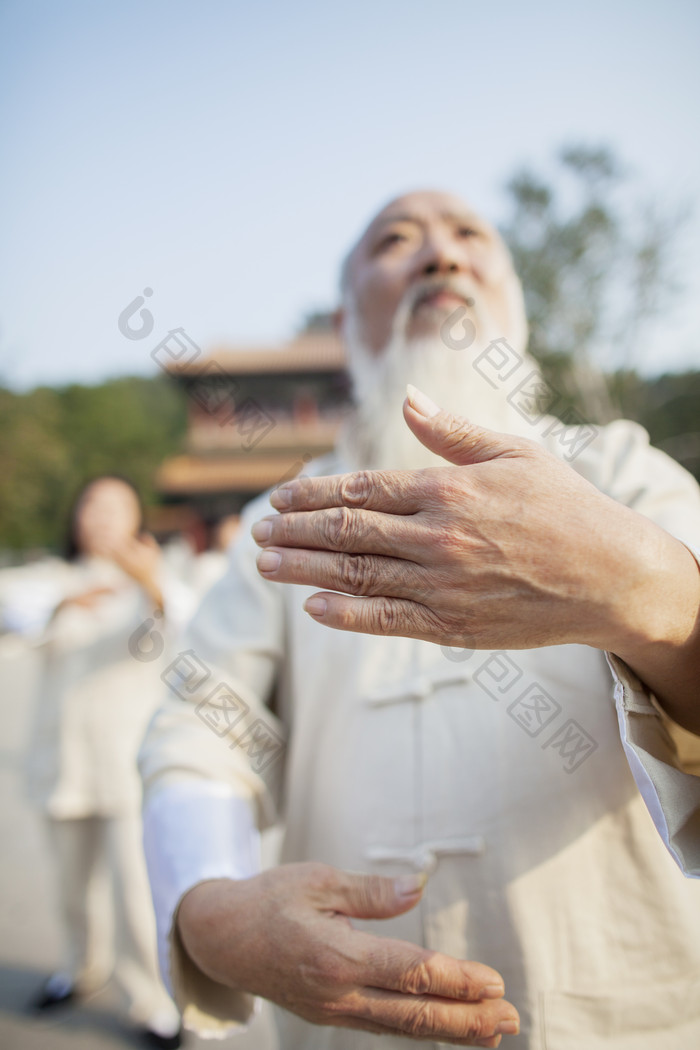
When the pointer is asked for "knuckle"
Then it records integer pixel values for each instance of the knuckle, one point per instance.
(454, 433)
(355, 573)
(477, 1029)
(387, 616)
(356, 489)
(478, 1025)
(421, 1020)
(418, 980)
(340, 527)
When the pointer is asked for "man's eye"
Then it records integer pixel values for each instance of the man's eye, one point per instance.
(467, 231)
(391, 238)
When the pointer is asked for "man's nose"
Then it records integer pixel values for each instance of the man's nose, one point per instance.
(440, 257)
(441, 266)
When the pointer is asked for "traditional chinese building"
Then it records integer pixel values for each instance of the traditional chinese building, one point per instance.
(255, 417)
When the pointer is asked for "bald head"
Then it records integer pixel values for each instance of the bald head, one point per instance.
(434, 250)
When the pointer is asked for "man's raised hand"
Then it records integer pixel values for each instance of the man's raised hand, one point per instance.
(505, 547)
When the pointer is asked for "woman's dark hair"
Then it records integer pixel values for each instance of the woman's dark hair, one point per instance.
(71, 549)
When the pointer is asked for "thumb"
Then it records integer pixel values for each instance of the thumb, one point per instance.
(377, 897)
(453, 437)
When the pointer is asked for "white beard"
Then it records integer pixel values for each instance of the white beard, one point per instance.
(376, 436)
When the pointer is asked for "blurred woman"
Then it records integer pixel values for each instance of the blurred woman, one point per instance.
(102, 650)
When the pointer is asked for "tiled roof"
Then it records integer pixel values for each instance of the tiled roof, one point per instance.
(308, 353)
(190, 475)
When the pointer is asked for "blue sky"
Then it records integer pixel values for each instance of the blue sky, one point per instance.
(226, 154)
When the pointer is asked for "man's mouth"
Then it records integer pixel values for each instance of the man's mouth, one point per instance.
(442, 297)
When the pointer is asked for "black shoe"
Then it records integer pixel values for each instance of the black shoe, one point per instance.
(54, 993)
(163, 1042)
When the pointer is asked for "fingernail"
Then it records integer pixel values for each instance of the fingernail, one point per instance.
(262, 530)
(410, 885)
(316, 606)
(508, 1028)
(281, 497)
(268, 561)
(492, 991)
(421, 402)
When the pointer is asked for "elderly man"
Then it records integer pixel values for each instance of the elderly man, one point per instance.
(511, 762)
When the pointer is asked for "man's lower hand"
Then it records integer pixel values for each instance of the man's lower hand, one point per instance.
(286, 935)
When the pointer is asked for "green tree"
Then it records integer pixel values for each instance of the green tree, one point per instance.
(596, 265)
(36, 467)
(52, 440)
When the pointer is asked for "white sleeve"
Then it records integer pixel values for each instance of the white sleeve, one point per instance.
(28, 604)
(622, 463)
(672, 795)
(194, 831)
(179, 603)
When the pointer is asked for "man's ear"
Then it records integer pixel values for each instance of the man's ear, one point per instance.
(338, 316)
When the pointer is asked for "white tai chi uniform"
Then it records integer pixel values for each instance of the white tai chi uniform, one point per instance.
(539, 787)
(95, 699)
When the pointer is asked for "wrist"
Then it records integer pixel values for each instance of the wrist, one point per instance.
(667, 658)
(661, 614)
(205, 919)
(199, 905)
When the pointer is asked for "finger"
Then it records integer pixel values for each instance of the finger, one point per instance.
(398, 966)
(364, 1024)
(370, 896)
(393, 491)
(379, 615)
(344, 529)
(435, 1017)
(362, 1010)
(455, 438)
(361, 574)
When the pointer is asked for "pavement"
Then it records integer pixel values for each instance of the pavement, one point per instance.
(30, 936)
